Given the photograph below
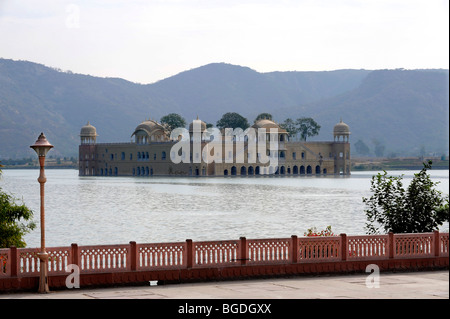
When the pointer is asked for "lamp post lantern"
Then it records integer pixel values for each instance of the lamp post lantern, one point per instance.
(41, 147)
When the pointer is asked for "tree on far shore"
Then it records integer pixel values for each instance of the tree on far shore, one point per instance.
(362, 148)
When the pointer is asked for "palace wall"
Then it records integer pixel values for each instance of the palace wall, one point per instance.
(150, 155)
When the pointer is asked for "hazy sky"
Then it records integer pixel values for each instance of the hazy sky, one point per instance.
(146, 41)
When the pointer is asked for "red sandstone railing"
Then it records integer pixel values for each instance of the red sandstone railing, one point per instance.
(23, 262)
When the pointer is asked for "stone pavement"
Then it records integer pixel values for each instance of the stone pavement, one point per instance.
(405, 285)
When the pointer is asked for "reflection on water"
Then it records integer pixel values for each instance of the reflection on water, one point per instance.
(116, 210)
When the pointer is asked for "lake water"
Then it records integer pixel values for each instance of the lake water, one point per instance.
(116, 210)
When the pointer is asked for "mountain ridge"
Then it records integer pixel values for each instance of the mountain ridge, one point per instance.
(35, 98)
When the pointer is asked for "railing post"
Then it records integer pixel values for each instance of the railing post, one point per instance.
(391, 244)
(344, 250)
(75, 255)
(244, 251)
(437, 244)
(133, 256)
(14, 261)
(189, 253)
(294, 249)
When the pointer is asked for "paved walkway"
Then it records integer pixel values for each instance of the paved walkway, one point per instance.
(408, 285)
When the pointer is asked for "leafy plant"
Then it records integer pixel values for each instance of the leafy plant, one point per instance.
(307, 127)
(313, 232)
(12, 229)
(290, 126)
(263, 116)
(173, 121)
(392, 208)
(233, 120)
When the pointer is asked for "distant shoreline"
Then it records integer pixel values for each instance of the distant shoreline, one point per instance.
(401, 163)
(358, 164)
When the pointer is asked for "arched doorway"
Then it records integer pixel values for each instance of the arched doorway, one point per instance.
(302, 169)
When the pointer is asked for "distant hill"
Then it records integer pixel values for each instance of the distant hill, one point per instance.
(406, 110)
(214, 89)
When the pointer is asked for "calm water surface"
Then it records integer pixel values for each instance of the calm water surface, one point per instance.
(116, 210)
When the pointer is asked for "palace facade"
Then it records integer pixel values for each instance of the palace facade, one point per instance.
(151, 151)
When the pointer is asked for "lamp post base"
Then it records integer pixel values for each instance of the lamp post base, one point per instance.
(43, 278)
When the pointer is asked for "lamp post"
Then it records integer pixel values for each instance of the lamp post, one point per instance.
(41, 147)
